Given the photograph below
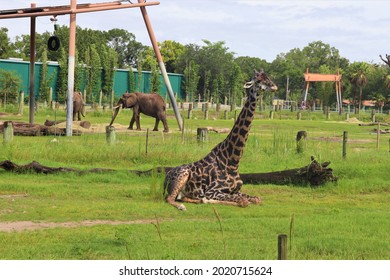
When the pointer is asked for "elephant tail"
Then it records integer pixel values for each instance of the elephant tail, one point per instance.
(82, 110)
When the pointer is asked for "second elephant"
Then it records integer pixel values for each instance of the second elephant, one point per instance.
(78, 105)
(151, 104)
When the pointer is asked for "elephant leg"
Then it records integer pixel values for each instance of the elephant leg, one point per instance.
(156, 124)
(164, 121)
(78, 116)
(132, 122)
(137, 122)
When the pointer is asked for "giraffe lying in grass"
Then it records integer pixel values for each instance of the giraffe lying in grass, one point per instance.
(215, 178)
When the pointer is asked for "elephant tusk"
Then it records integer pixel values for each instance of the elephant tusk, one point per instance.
(116, 107)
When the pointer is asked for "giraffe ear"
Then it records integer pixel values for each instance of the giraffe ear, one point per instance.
(249, 84)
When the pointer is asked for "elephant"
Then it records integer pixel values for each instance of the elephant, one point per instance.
(151, 104)
(78, 105)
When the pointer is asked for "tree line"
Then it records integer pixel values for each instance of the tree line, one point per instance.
(212, 71)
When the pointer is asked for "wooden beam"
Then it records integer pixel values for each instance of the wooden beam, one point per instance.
(64, 10)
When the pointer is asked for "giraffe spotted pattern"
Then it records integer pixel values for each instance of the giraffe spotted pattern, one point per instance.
(215, 179)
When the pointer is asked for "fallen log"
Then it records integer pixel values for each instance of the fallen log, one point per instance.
(83, 124)
(374, 123)
(27, 129)
(314, 174)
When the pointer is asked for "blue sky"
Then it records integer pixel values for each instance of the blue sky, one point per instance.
(258, 28)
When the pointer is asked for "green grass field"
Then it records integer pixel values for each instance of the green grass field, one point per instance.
(119, 215)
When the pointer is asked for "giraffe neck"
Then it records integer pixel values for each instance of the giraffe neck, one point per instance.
(233, 146)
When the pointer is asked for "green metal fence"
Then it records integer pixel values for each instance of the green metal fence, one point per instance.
(121, 78)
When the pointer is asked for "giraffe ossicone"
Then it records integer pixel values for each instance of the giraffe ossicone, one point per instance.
(214, 179)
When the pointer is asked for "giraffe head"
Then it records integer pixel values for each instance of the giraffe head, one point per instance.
(260, 81)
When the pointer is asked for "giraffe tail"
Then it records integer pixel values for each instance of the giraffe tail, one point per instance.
(166, 184)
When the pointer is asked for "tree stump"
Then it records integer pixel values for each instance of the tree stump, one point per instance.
(201, 134)
(8, 133)
(110, 135)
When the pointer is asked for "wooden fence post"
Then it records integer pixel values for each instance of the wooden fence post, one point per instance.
(345, 140)
(190, 105)
(301, 137)
(147, 141)
(8, 133)
(21, 102)
(282, 247)
(299, 115)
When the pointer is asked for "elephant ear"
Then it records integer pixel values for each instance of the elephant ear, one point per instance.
(131, 100)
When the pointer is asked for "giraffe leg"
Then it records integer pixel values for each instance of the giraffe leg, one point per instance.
(175, 181)
(218, 197)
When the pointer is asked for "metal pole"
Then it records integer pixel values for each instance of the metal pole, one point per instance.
(32, 67)
(161, 65)
(71, 64)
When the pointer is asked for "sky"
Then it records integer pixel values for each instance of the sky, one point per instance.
(255, 28)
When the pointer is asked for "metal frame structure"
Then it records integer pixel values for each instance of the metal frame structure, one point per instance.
(315, 77)
(72, 10)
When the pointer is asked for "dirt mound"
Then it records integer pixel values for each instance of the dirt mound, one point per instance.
(353, 120)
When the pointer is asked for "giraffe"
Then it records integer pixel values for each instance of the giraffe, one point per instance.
(214, 179)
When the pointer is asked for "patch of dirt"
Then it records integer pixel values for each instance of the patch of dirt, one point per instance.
(353, 120)
(28, 225)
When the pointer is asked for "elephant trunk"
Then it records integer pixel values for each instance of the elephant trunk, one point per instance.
(115, 114)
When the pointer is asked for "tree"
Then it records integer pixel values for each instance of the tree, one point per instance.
(358, 77)
(131, 80)
(62, 78)
(170, 51)
(154, 76)
(109, 63)
(5, 46)
(191, 80)
(93, 71)
(125, 45)
(235, 85)
(44, 80)
(215, 62)
(139, 74)
(10, 84)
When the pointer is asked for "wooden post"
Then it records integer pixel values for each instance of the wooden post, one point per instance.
(190, 105)
(218, 108)
(147, 141)
(206, 111)
(373, 115)
(112, 99)
(50, 96)
(301, 137)
(225, 114)
(110, 135)
(345, 140)
(100, 98)
(8, 133)
(271, 114)
(21, 102)
(378, 133)
(299, 115)
(346, 116)
(201, 134)
(282, 247)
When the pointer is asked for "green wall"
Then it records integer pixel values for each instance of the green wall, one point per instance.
(121, 78)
